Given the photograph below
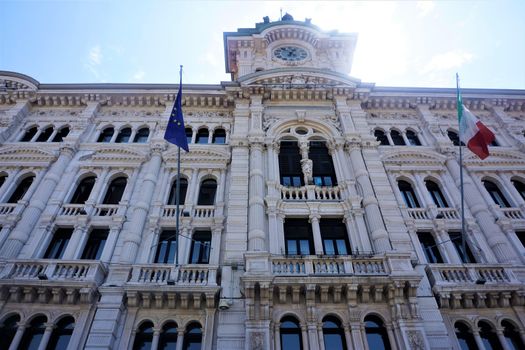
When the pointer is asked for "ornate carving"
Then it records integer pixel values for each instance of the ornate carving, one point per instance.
(257, 341)
(415, 340)
(334, 120)
(268, 121)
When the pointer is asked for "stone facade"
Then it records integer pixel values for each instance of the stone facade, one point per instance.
(289, 87)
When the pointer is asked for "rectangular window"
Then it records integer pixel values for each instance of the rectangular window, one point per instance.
(95, 244)
(58, 243)
(334, 236)
(166, 247)
(521, 237)
(466, 256)
(290, 164)
(430, 248)
(200, 247)
(298, 237)
(323, 168)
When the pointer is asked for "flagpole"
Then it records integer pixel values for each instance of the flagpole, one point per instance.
(177, 196)
(460, 109)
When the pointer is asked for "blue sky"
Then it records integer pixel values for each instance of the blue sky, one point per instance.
(407, 43)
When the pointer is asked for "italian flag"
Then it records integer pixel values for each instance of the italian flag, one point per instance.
(472, 132)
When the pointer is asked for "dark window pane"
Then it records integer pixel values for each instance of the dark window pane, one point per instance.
(144, 337)
(172, 199)
(435, 193)
(496, 194)
(290, 333)
(29, 134)
(333, 334)
(489, 337)
(453, 136)
(141, 136)
(512, 336)
(21, 190)
(8, 329)
(202, 136)
(334, 236)
(465, 338)
(58, 243)
(95, 244)
(207, 192)
(123, 136)
(166, 247)
(61, 134)
(61, 334)
(193, 338)
(189, 134)
(44, 135)
(323, 167)
(298, 237)
(200, 247)
(219, 136)
(430, 248)
(376, 334)
(106, 135)
(397, 138)
(412, 138)
(2, 180)
(381, 137)
(520, 187)
(409, 196)
(33, 334)
(290, 164)
(115, 191)
(521, 237)
(168, 337)
(83, 190)
(465, 256)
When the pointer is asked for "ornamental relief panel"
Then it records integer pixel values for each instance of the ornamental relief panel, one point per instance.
(123, 112)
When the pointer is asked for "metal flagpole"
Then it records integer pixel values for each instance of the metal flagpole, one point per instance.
(177, 196)
(460, 112)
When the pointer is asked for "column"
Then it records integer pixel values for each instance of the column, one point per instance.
(495, 237)
(215, 245)
(180, 339)
(516, 197)
(256, 232)
(477, 338)
(141, 208)
(304, 334)
(502, 340)
(46, 336)
(348, 336)
(447, 245)
(423, 192)
(391, 336)
(18, 337)
(75, 242)
(132, 136)
(313, 340)
(404, 135)
(193, 188)
(359, 336)
(378, 232)
(111, 241)
(31, 214)
(320, 336)
(155, 340)
(273, 231)
(276, 336)
(316, 231)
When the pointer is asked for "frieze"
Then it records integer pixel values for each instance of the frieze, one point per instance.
(26, 154)
(114, 112)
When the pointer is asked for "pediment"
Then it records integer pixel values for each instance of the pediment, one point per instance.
(15, 81)
(204, 155)
(26, 155)
(413, 157)
(497, 157)
(117, 156)
(298, 78)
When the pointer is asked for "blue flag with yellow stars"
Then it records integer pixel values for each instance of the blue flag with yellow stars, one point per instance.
(175, 132)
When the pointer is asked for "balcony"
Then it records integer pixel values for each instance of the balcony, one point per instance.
(313, 265)
(310, 193)
(431, 213)
(199, 211)
(474, 285)
(164, 274)
(55, 280)
(96, 210)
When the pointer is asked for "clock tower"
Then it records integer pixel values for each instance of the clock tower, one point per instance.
(287, 44)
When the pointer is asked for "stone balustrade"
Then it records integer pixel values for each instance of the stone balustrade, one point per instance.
(433, 213)
(7, 208)
(54, 270)
(341, 265)
(448, 213)
(105, 209)
(513, 213)
(164, 274)
(72, 210)
(418, 213)
(198, 211)
(310, 192)
(450, 275)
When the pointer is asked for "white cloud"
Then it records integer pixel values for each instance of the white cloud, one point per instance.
(425, 7)
(139, 75)
(447, 60)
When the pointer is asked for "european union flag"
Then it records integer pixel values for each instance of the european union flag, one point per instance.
(175, 132)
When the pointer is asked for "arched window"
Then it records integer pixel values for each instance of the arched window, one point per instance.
(8, 329)
(290, 164)
(189, 134)
(202, 136)
(166, 247)
(192, 337)
(207, 192)
(488, 336)
(219, 136)
(106, 135)
(512, 336)
(83, 190)
(144, 337)
(21, 189)
(44, 135)
(333, 334)
(290, 332)
(381, 137)
(61, 334)
(115, 191)
(435, 193)
(141, 136)
(376, 334)
(409, 196)
(520, 187)
(123, 136)
(465, 338)
(323, 168)
(29, 134)
(168, 337)
(2, 179)
(172, 199)
(496, 194)
(200, 247)
(454, 137)
(412, 138)
(397, 138)
(33, 334)
(61, 134)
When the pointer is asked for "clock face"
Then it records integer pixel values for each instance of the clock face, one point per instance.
(290, 53)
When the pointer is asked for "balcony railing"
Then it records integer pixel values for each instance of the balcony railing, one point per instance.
(418, 213)
(163, 274)
(512, 213)
(54, 270)
(448, 213)
(310, 192)
(313, 265)
(7, 208)
(199, 211)
(451, 275)
(433, 213)
(72, 210)
(105, 209)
